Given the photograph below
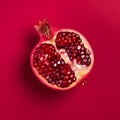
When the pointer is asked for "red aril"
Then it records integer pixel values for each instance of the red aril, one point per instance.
(62, 57)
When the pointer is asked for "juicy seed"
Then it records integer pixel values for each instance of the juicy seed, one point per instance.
(60, 81)
(78, 47)
(50, 80)
(69, 81)
(58, 62)
(55, 65)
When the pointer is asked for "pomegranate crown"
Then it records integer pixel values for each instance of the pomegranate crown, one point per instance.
(43, 28)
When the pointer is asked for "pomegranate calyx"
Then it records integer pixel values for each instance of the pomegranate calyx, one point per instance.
(43, 29)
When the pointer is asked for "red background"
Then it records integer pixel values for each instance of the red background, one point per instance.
(22, 97)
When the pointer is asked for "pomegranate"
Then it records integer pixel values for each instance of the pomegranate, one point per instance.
(62, 57)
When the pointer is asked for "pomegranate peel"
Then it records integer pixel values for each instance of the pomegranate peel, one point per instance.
(62, 58)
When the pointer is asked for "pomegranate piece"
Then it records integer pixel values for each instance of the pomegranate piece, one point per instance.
(74, 47)
(62, 58)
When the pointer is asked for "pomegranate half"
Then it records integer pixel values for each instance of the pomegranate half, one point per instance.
(61, 58)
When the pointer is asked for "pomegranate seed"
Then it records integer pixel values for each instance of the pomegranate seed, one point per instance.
(69, 81)
(71, 76)
(49, 73)
(40, 72)
(49, 80)
(84, 60)
(83, 83)
(71, 58)
(43, 74)
(68, 72)
(50, 68)
(60, 81)
(35, 64)
(68, 51)
(82, 56)
(88, 52)
(64, 71)
(77, 36)
(57, 74)
(63, 33)
(74, 79)
(47, 77)
(88, 62)
(69, 41)
(62, 76)
(74, 51)
(56, 81)
(78, 47)
(62, 62)
(53, 82)
(66, 77)
(73, 34)
(55, 65)
(87, 56)
(82, 52)
(66, 37)
(74, 39)
(82, 48)
(69, 34)
(58, 85)
(74, 55)
(58, 62)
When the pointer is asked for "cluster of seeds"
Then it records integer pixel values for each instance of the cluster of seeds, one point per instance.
(52, 67)
(74, 47)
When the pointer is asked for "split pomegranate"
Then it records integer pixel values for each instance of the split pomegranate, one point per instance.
(62, 57)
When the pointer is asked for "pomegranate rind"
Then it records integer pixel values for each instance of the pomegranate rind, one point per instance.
(82, 73)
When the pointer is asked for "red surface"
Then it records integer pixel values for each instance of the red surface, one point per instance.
(22, 97)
